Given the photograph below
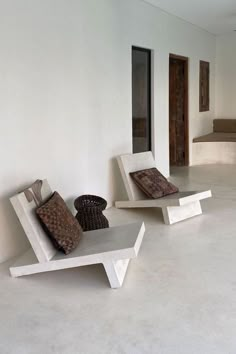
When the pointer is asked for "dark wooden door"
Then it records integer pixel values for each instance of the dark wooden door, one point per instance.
(178, 112)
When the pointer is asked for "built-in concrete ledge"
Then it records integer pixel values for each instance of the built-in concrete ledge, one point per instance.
(214, 152)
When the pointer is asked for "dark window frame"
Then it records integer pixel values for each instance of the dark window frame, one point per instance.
(149, 93)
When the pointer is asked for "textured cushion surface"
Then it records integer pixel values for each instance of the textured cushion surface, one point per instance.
(59, 223)
(153, 183)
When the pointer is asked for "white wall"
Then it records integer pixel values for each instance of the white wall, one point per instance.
(65, 94)
(226, 76)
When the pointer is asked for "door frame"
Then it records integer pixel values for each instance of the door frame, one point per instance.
(185, 60)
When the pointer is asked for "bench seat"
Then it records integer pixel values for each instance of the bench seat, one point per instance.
(113, 247)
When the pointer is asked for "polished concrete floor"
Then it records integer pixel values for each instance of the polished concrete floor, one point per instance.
(179, 295)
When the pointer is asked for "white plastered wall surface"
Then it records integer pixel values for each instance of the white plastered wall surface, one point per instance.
(226, 76)
(65, 92)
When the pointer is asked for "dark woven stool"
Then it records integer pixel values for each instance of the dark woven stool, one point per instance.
(89, 212)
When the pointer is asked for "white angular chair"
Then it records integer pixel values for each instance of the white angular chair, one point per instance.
(175, 207)
(113, 247)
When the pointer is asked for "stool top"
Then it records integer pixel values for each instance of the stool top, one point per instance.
(88, 201)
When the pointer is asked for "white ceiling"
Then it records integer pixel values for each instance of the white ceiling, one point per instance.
(215, 16)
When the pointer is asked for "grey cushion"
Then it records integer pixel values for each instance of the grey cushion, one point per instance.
(224, 125)
(212, 137)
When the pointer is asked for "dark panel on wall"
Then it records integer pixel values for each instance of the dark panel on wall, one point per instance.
(204, 86)
(141, 99)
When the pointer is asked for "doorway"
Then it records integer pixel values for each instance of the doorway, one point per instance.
(178, 110)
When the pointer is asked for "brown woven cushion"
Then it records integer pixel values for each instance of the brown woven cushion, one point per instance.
(59, 223)
(153, 183)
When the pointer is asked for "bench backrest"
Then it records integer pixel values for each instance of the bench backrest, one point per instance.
(131, 163)
(25, 204)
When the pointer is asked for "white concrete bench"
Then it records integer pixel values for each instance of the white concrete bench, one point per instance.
(113, 247)
(175, 207)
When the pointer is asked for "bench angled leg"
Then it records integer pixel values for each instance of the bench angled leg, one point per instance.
(175, 214)
(116, 271)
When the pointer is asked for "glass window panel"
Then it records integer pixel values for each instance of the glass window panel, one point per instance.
(141, 99)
